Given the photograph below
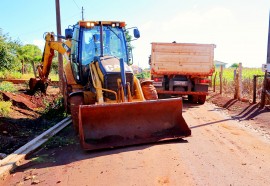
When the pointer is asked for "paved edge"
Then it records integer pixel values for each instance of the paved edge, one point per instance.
(9, 163)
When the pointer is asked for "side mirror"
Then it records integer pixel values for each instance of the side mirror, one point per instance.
(136, 33)
(68, 33)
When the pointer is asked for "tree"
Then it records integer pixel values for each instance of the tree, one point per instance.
(8, 50)
(129, 46)
(12, 53)
(128, 39)
(234, 65)
(28, 54)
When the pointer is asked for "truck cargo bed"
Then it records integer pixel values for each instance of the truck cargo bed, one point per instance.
(182, 58)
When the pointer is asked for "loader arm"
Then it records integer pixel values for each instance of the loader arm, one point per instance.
(41, 82)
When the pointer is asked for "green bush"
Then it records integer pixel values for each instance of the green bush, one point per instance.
(7, 87)
(10, 75)
(5, 108)
(143, 75)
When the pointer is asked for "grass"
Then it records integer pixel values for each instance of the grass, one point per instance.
(7, 87)
(10, 75)
(64, 138)
(5, 108)
(18, 75)
(53, 77)
(228, 83)
(247, 73)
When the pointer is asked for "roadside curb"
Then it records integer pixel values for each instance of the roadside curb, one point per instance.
(9, 163)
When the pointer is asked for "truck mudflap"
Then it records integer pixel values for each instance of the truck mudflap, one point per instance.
(123, 124)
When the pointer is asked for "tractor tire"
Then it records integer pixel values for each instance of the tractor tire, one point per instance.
(149, 91)
(74, 102)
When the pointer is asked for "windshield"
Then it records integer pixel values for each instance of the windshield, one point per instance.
(113, 43)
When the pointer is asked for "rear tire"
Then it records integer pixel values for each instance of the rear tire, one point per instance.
(193, 98)
(201, 99)
(190, 98)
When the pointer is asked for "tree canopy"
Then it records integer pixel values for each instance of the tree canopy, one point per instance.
(8, 51)
(14, 56)
(234, 65)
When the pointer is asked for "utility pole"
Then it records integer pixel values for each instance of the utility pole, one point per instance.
(60, 57)
(82, 13)
(268, 44)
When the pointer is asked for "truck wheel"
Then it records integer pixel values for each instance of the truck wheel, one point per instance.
(190, 98)
(193, 98)
(201, 99)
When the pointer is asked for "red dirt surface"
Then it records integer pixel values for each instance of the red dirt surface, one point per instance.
(221, 151)
(243, 111)
(218, 145)
(26, 120)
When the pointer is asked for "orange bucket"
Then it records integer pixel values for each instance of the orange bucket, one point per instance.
(123, 124)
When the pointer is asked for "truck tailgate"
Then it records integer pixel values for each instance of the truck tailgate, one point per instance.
(182, 58)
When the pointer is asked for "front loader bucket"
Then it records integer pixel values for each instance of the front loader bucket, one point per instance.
(130, 123)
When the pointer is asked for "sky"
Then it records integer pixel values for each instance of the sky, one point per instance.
(238, 28)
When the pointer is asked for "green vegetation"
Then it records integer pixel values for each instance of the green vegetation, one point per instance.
(8, 53)
(5, 108)
(7, 87)
(62, 139)
(143, 75)
(234, 65)
(53, 76)
(228, 82)
(17, 59)
(247, 73)
(5, 74)
(54, 110)
(44, 158)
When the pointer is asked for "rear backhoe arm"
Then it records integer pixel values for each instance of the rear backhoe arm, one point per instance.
(41, 82)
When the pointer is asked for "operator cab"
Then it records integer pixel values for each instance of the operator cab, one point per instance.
(93, 40)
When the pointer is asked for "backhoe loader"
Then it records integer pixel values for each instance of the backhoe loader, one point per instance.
(108, 105)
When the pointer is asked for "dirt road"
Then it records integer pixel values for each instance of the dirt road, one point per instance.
(221, 151)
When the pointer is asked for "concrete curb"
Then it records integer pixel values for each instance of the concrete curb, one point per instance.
(12, 161)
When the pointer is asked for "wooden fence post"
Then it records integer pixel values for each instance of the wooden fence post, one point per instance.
(236, 87)
(220, 81)
(215, 82)
(240, 82)
(263, 90)
(254, 89)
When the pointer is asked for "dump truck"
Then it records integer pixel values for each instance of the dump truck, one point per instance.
(106, 101)
(179, 69)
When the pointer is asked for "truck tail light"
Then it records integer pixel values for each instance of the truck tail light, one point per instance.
(158, 79)
(206, 81)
